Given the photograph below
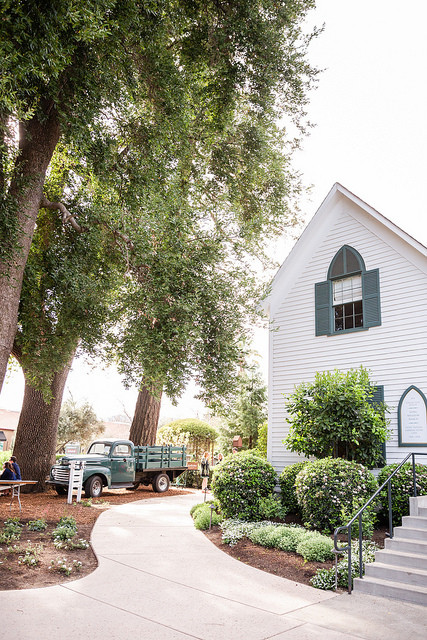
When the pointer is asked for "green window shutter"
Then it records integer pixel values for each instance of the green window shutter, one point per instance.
(322, 294)
(371, 298)
(377, 397)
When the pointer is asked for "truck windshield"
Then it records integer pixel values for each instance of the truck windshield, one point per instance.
(101, 448)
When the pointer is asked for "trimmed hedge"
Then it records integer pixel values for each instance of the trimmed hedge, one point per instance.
(401, 489)
(239, 484)
(328, 487)
(287, 479)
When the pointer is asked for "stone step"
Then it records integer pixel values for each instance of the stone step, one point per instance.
(415, 522)
(389, 589)
(406, 544)
(402, 575)
(410, 533)
(422, 511)
(401, 559)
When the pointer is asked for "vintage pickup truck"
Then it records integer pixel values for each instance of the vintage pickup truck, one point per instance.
(118, 464)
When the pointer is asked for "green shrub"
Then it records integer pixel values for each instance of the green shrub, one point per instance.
(325, 578)
(196, 435)
(290, 537)
(12, 530)
(201, 514)
(234, 530)
(37, 525)
(4, 457)
(240, 482)
(325, 486)
(314, 547)
(287, 486)
(265, 536)
(271, 507)
(401, 489)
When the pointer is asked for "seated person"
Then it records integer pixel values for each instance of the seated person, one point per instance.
(8, 473)
(16, 469)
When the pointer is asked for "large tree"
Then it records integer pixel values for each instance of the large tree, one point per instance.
(70, 69)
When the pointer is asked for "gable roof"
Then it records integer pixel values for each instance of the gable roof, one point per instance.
(324, 218)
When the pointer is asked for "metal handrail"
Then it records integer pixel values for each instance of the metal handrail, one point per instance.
(359, 517)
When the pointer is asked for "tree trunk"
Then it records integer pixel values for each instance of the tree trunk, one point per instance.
(35, 442)
(38, 139)
(144, 425)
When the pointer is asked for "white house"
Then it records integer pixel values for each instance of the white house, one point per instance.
(353, 291)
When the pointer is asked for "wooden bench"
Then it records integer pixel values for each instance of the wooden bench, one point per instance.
(4, 488)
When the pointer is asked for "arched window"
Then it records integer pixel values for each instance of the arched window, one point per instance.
(349, 299)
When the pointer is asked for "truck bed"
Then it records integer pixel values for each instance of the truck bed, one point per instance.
(160, 457)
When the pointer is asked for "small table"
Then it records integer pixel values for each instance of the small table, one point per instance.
(16, 489)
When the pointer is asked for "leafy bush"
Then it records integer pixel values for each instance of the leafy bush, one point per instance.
(201, 514)
(325, 578)
(290, 537)
(196, 435)
(314, 547)
(401, 489)
(335, 416)
(325, 486)
(265, 536)
(234, 530)
(4, 457)
(311, 546)
(240, 482)
(288, 494)
(271, 507)
(11, 531)
(261, 445)
(37, 525)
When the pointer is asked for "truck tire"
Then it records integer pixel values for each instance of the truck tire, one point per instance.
(161, 483)
(93, 487)
(61, 490)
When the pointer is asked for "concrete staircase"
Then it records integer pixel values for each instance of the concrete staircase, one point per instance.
(400, 569)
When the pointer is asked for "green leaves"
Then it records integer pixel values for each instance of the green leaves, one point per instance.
(334, 417)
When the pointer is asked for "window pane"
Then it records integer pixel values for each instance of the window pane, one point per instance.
(358, 307)
(348, 309)
(338, 268)
(358, 321)
(349, 324)
(339, 311)
(339, 324)
(352, 262)
(347, 290)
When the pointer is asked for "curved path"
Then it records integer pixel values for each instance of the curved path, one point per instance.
(161, 579)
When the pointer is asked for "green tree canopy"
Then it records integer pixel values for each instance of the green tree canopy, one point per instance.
(245, 412)
(148, 89)
(78, 423)
(335, 416)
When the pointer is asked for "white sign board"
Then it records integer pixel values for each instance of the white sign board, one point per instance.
(413, 418)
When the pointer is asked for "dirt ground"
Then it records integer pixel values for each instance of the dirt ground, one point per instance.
(52, 507)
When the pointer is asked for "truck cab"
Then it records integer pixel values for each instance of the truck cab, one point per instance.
(118, 464)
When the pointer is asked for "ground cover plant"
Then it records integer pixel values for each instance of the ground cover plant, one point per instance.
(48, 543)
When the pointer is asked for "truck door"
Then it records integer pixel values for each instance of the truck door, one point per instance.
(122, 464)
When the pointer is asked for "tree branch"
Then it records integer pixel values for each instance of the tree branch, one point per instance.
(66, 215)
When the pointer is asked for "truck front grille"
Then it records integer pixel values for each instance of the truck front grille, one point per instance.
(61, 473)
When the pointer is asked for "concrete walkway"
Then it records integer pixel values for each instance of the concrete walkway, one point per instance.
(159, 578)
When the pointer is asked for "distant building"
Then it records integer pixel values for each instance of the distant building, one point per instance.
(8, 424)
(353, 291)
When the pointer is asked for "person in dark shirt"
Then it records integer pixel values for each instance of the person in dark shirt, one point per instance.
(16, 468)
(8, 472)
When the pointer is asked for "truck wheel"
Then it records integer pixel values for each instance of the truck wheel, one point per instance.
(61, 490)
(161, 483)
(93, 487)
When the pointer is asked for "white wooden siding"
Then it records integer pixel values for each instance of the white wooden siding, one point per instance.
(395, 352)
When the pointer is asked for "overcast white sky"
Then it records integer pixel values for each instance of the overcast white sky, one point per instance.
(370, 111)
